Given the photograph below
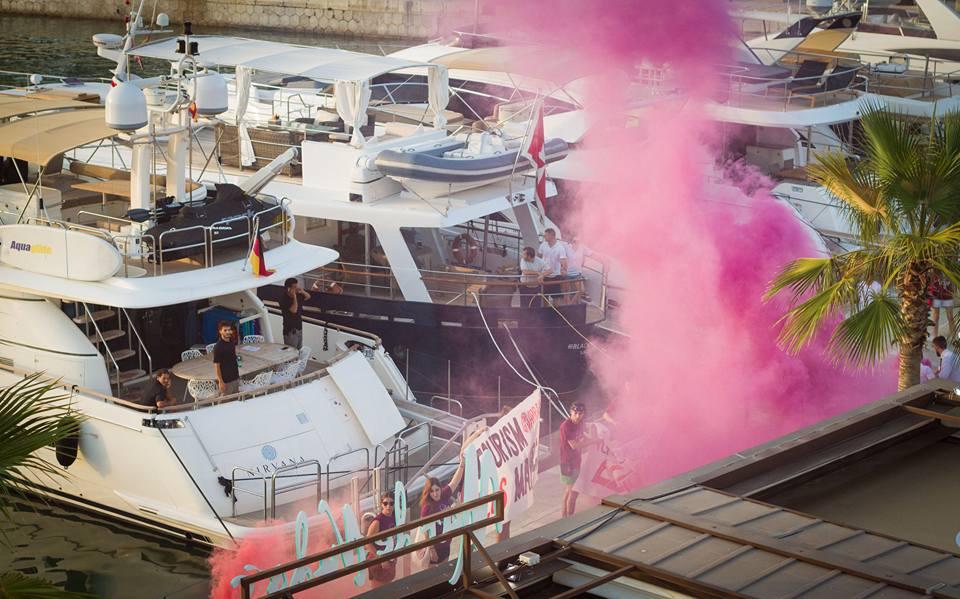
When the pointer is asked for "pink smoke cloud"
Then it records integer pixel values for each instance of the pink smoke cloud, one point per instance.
(701, 376)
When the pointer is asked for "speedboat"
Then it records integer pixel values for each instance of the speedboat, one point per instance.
(107, 309)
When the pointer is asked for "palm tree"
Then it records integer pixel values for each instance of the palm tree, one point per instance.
(32, 417)
(902, 197)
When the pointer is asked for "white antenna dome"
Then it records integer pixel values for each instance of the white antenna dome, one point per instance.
(211, 94)
(108, 41)
(163, 20)
(126, 108)
(36, 79)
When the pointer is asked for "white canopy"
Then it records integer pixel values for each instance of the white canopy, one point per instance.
(350, 71)
(321, 64)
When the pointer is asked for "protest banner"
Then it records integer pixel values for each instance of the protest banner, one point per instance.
(602, 471)
(514, 443)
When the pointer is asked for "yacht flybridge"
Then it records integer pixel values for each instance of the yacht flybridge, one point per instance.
(120, 273)
(429, 207)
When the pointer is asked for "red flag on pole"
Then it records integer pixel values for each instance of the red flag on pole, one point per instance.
(535, 155)
(257, 265)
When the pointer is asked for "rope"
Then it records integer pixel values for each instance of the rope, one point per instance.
(497, 345)
(561, 409)
(569, 324)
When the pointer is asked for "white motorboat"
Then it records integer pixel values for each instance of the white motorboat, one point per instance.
(107, 307)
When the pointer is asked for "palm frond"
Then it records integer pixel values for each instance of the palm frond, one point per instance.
(851, 185)
(14, 585)
(868, 334)
(32, 416)
(801, 323)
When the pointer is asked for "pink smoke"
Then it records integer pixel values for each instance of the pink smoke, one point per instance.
(701, 376)
(271, 549)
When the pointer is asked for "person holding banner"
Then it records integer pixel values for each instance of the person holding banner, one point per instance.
(383, 572)
(573, 440)
(437, 497)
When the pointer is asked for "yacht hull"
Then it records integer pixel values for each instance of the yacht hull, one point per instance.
(450, 350)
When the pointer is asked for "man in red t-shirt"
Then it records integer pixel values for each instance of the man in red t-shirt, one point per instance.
(572, 441)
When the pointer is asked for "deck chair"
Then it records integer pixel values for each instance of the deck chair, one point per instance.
(808, 75)
(837, 81)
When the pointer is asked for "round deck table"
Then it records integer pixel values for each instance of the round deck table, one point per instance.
(255, 357)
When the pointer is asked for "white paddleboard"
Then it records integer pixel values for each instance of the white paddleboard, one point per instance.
(58, 252)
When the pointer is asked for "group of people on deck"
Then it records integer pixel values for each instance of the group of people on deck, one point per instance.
(156, 393)
(550, 264)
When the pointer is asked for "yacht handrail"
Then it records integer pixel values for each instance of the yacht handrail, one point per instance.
(330, 325)
(457, 436)
(106, 346)
(143, 346)
(182, 407)
(294, 487)
(234, 489)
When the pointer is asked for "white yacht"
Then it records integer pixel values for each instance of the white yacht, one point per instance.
(103, 282)
(428, 258)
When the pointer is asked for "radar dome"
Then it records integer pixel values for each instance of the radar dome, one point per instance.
(109, 41)
(211, 94)
(126, 108)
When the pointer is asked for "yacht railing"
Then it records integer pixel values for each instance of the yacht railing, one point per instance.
(891, 77)
(153, 254)
(291, 467)
(447, 287)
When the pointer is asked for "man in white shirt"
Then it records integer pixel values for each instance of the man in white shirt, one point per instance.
(553, 253)
(532, 271)
(576, 254)
(949, 369)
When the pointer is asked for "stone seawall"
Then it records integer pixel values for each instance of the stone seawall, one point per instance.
(400, 19)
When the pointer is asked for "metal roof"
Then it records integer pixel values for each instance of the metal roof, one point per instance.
(721, 543)
(321, 64)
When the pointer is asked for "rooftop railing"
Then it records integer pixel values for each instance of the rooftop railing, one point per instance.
(226, 240)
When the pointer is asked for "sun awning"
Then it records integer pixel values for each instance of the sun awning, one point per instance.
(39, 138)
(321, 64)
(538, 62)
(11, 106)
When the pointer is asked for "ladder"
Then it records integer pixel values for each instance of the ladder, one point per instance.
(113, 333)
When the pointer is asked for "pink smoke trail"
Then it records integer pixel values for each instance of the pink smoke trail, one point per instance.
(701, 376)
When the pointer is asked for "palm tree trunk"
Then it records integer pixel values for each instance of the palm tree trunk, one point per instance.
(914, 310)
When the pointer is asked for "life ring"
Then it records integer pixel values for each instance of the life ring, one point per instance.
(464, 255)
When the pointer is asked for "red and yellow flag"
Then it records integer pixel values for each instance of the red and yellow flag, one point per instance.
(257, 265)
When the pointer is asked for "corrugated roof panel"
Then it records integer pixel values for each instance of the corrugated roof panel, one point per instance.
(695, 501)
(838, 585)
(947, 571)
(739, 512)
(733, 573)
(783, 580)
(658, 545)
(889, 592)
(862, 547)
(775, 524)
(821, 535)
(693, 559)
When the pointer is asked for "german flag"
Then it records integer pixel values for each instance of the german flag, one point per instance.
(257, 265)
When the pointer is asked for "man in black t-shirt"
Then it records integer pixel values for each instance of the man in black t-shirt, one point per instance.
(291, 309)
(225, 360)
(156, 393)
